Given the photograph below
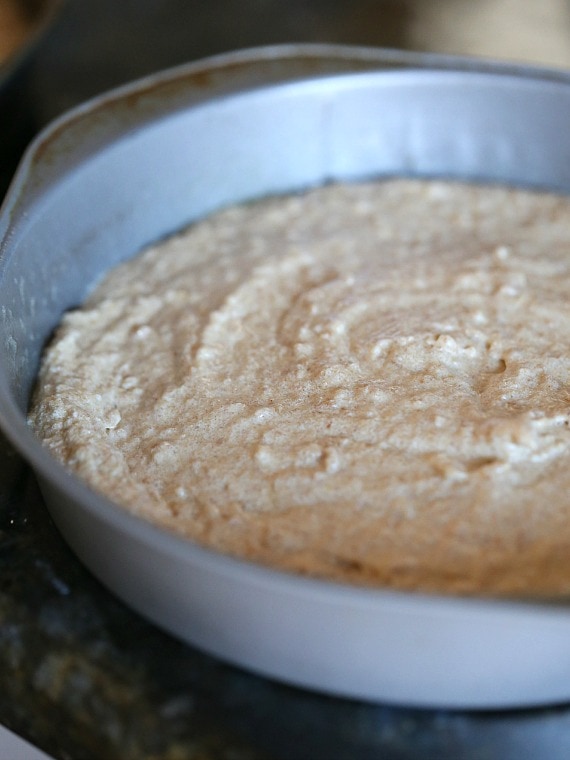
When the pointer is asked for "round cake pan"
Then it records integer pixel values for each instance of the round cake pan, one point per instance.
(129, 167)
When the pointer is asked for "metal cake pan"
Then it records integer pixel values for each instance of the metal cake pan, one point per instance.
(129, 167)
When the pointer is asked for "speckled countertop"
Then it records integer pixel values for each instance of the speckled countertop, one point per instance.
(82, 676)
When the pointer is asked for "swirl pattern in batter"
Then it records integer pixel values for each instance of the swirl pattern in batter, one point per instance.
(367, 383)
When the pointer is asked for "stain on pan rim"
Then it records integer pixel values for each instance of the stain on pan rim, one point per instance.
(136, 103)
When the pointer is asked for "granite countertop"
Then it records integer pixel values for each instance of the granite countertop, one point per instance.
(82, 676)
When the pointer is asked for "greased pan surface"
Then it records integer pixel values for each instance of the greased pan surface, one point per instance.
(132, 166)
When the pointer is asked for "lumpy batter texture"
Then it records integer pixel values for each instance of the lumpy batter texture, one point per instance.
(367, 383)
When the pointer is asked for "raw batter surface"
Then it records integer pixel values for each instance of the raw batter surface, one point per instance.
(368, 383)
